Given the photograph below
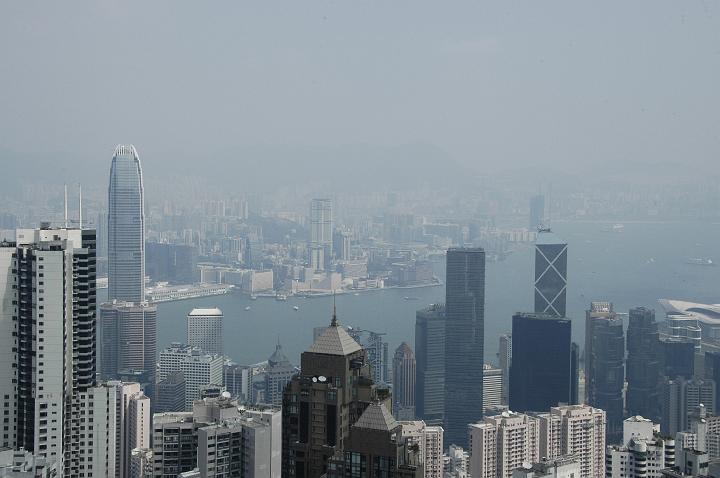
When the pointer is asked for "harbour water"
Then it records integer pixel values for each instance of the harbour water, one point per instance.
(643, 263)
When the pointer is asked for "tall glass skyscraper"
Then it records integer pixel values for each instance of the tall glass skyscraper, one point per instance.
(464, 335)
(430, 364)
(644, 364)
(126, 227)
(550, 274)
(128, 323)
(605, 366)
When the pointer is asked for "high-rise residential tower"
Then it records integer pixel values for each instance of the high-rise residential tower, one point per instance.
(430, 364)
(198, 368)
(642, 453)
(126, 227)
(550, 274)
(464, 336)
(403, 391)
(541, 371)
(204, 330)
(47, 339)
(321, 240)
(490, 455)
(643, 365)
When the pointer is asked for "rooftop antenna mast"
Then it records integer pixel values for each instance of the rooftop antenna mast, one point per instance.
(80, 205)
(66, 214)
(334, 322)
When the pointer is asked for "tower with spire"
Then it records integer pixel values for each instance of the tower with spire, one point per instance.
(322, 402)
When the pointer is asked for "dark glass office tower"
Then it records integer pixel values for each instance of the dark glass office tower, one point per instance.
(464, 334)
(712, 371)
(430, 363)
(643, 364)
(607, 375)
(550, 274)
(541, 371)
(678, 357)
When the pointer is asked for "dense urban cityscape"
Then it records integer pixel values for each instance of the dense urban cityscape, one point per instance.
(94, 393)
(343, 240)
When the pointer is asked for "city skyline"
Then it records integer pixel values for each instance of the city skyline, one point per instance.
(364, 240)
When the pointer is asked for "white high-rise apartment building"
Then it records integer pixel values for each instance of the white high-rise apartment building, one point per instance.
(218, 437)
(644, 452)
(115, 418)
(429, 440)
(47, 341)
(502, 443)
(204, 330)
(250, 441)
(577, 430)
(455, 463)
(198, 368)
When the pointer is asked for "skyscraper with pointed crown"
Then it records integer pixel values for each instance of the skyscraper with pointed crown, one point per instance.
(322, 402)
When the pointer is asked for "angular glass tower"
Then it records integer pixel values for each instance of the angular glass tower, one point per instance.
(550, 274)
(464, 335)
(126, 227)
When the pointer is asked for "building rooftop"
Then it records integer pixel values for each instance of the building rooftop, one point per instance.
(334, 341)
(546, 237)
(205, 312)
(539, 316)
(376, 417)
(278, 357)
(706, 313)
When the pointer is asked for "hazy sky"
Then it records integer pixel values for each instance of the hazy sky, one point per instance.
(507, 83)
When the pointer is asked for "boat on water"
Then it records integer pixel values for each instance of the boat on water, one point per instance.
(614, 228)
(281, 297)
(356, 293)
(411, 298)
(700, 261)
(247, 308)
(253, 297)
(296, 308)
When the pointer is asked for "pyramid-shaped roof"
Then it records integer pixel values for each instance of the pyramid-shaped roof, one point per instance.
(376, 417)
(278, 357)
(335, 341)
